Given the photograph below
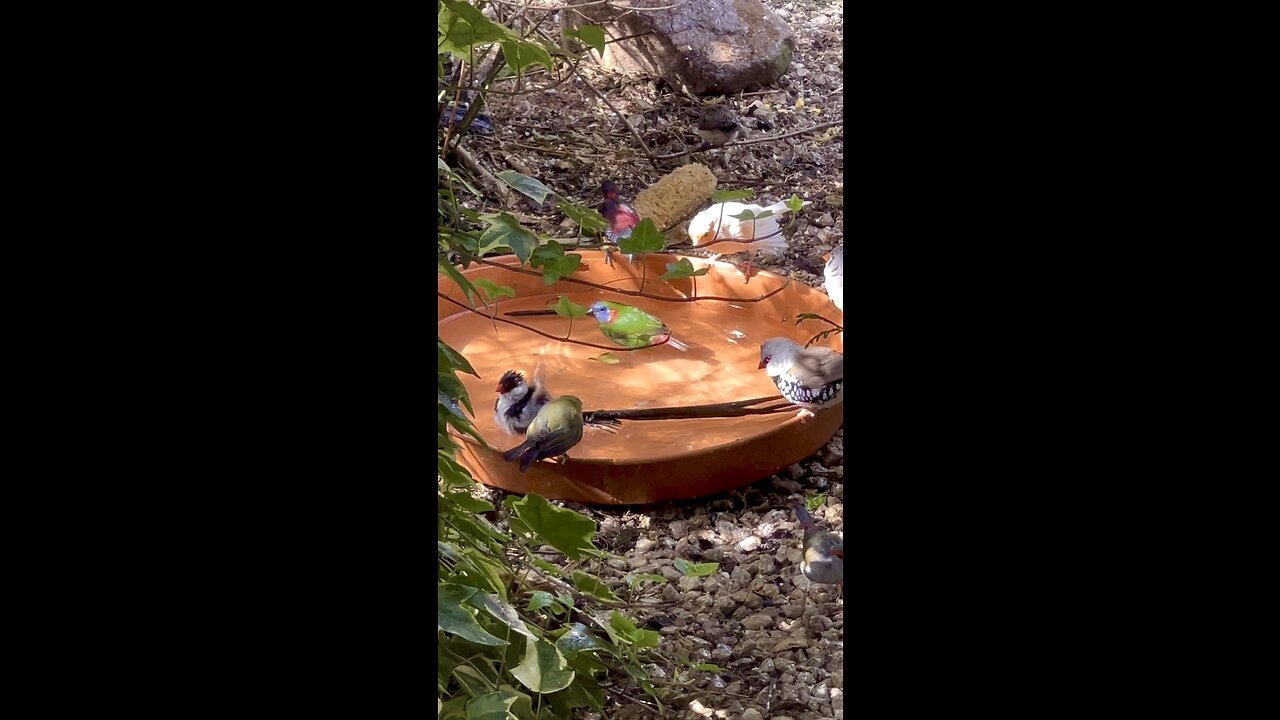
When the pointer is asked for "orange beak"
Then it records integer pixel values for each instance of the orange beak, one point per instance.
(826, 257)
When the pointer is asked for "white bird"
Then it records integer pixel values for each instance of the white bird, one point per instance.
(834, 272)
(731, 230)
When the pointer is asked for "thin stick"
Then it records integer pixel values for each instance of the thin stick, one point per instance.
(771, 138)
(635, 293)
(611, 348)
(729, 409)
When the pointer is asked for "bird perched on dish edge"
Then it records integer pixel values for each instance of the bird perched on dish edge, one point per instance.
(631, 327)
(620, 216)
(823, 558)
(834, 274)
(808, 377)
(718, 126)
(556, 428)
(723, 225)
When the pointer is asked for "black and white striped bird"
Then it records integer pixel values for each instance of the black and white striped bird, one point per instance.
(518, 402)
(808, 377)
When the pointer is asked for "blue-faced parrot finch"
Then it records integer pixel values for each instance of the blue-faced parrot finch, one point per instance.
(631, 327)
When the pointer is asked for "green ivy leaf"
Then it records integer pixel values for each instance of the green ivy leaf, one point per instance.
(593, 36)
(607, 358)
(520, 54)
(730, 195)
(469, 502)
(451, 386)
(539, 563)
(554, 262)
(578, 638)
(494, 291)
(565, 307)
(644, 238)
(544, 669)
(590, 585)
(695, 569)
(794, 203)
(502, 610)
(641, 639)
(589, 220)
(748, 214)
(707, 667)
(540, 599)
(814, 502)
(452, 617)
(561, 528)
(458, 279)
(460, 25)
(504, 231)
(682, 269)
(525, 185)
(492, 706)
(446, 354)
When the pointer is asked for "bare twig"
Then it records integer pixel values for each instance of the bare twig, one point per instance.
(488, 178)
(771, 138)
(635, 293)
(729, 409)
(611, 348)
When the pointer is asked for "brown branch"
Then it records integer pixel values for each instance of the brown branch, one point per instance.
(730, 409)
(635, 293)
(771, 138)
(611, 348)
(486, 177)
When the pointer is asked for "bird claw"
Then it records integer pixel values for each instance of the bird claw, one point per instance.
(747, 272)
(805, 414)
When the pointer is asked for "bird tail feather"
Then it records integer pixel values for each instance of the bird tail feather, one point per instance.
(677, 344)
(517, 451)
(806, 520)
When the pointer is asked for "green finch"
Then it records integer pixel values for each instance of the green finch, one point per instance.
(556, 428)
(631, 327)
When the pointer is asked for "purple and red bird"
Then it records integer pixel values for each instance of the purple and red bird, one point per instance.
(620, 216)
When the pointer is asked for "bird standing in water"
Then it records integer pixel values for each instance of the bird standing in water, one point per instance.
(557, 428)
(631, 327)
(518, 402)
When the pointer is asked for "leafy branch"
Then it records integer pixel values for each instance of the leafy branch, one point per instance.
(836, 327)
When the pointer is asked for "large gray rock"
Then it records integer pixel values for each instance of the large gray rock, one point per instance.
(708, 46)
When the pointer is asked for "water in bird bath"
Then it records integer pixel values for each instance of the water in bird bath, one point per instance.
(720, 366)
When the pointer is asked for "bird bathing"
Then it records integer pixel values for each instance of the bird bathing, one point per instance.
(644, 461)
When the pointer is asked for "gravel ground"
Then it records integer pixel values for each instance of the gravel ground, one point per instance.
(777, 638)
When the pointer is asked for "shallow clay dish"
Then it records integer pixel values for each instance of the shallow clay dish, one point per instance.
(646, 461)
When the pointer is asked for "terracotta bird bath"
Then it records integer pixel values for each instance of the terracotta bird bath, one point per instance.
(645, 461)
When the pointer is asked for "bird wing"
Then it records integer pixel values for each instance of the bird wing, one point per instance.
(818, 366)
(558, 442)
